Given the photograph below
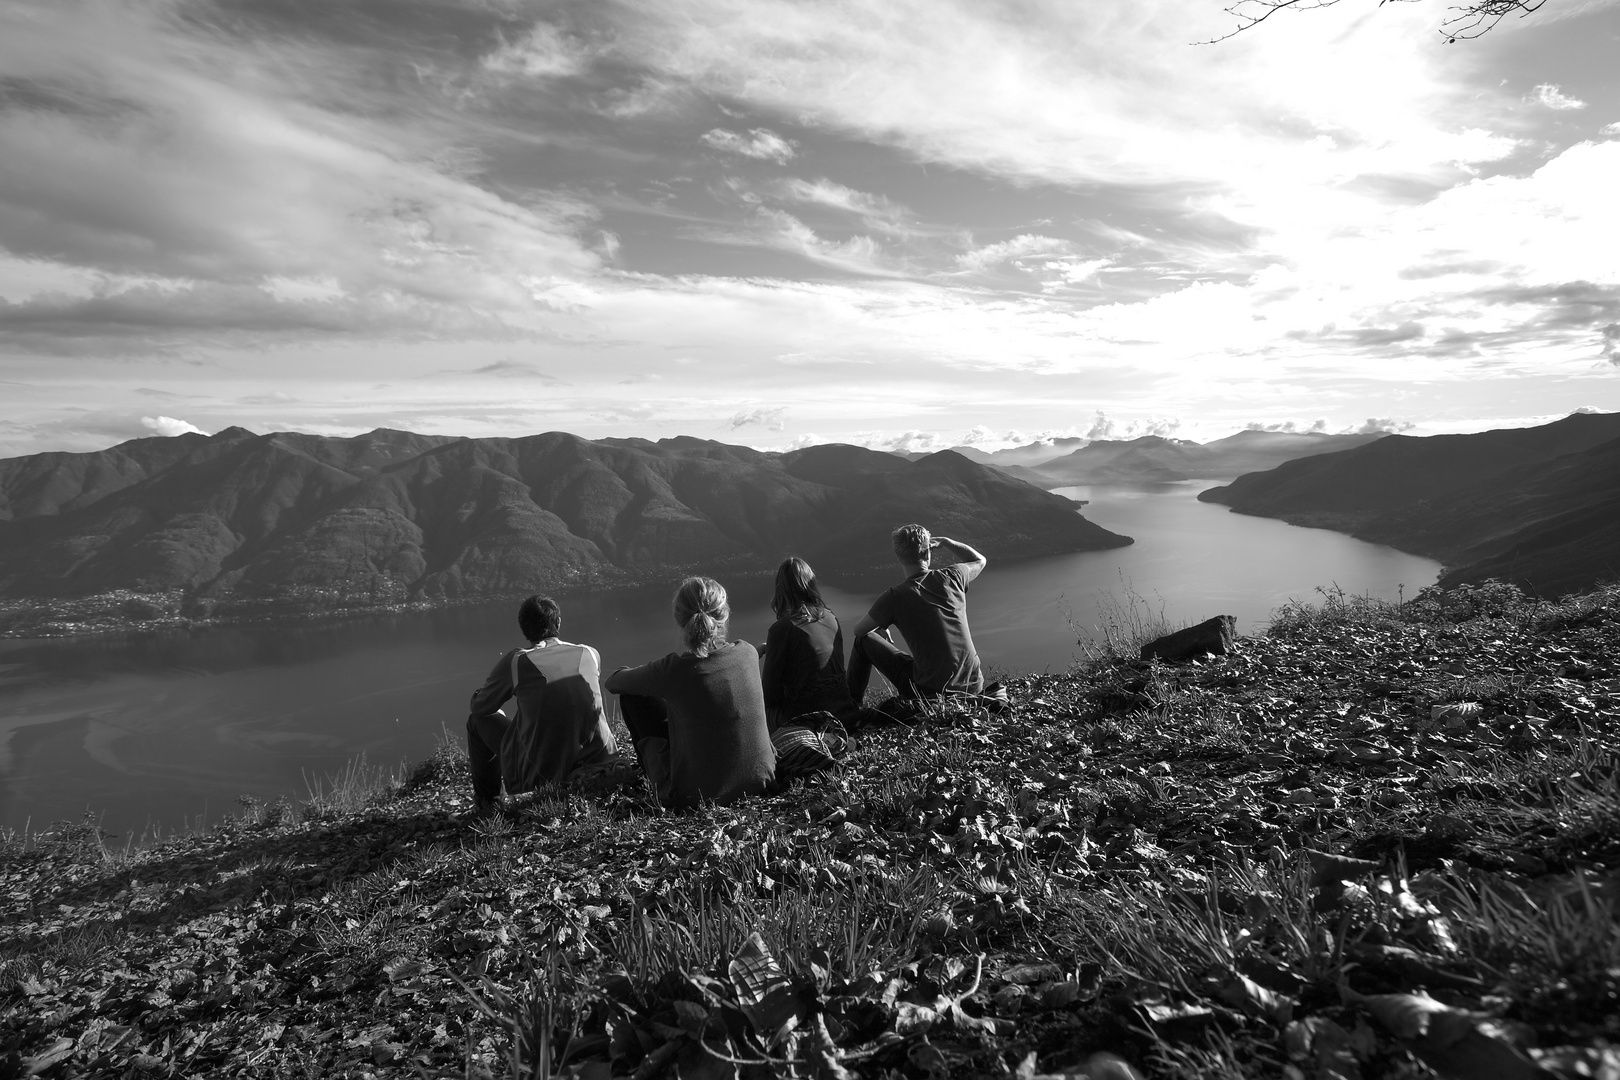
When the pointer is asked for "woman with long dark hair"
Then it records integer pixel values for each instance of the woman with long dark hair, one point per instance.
(697, 717)
(804, 651)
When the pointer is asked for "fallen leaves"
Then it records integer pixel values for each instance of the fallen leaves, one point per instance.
(1163, 861)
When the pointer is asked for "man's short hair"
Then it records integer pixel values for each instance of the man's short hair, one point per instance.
(910, 543)
(539, 618)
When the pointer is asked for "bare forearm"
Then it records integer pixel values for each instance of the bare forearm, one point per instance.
(963, 552)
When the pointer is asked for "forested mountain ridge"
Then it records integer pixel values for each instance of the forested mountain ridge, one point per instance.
(398, 516)
(1539, 506)
(1156, 459)
(1151, 459)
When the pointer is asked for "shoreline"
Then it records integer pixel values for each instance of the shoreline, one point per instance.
(129, 611)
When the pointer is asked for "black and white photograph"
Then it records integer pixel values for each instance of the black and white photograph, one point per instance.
(827, 539)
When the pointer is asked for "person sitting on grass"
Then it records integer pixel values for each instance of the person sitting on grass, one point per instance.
(558, 725)
(930, 608)
(697, 717)
(803, 669)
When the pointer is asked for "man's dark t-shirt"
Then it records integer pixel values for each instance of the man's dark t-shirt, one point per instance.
(930, 609)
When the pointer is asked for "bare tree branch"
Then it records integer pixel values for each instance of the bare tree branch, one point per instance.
(1468, 20)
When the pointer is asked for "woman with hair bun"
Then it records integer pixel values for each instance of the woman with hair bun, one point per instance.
(804, 651)
(697, 717)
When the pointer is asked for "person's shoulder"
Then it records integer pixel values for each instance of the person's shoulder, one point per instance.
(582, 649)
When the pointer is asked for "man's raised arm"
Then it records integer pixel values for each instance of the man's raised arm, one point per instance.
(968, 557)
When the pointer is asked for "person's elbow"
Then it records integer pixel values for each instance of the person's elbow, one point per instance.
(865, 626)
(613, 682)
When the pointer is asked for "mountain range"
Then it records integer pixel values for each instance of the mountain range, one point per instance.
(1538, 506)
(396, 516)
(1156, 459)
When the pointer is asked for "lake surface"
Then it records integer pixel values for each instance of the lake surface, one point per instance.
(162, 731)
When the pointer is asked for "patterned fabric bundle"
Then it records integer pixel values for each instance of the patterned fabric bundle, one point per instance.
(800, 752)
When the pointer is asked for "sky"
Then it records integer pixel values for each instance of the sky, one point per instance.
(909, 224)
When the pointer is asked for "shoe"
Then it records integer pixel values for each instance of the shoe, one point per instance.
(483, 808)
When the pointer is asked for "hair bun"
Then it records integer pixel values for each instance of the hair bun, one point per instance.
(702, 610)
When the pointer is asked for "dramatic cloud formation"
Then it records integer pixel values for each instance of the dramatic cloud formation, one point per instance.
(913, 224)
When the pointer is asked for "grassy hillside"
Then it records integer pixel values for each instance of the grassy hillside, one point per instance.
(1378, 841)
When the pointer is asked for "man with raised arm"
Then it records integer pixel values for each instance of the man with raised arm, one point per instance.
(558, 725)
(930, 608)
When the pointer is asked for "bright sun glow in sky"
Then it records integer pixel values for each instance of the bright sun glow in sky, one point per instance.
(906, 223)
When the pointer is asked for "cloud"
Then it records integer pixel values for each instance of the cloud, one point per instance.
(169, 426)
(1610, 129)
(1611, 344)
(197, 162)
(1105, 427)
(545, 52)
(913, 441)
(1071, 271)
(117, 318)
(1410, 330)
(80, 429)
(781, 230)
(1066, 93)
(1291, 426)
(1019, 247)
(839, 196)
(1375, 424)
(875, 211)
(761, 144)
(512, 369)
(1549, 96)
(771, 419)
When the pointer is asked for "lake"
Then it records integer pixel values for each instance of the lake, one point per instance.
(163, 731)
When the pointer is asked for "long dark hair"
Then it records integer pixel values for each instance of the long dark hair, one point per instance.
(796, 588)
